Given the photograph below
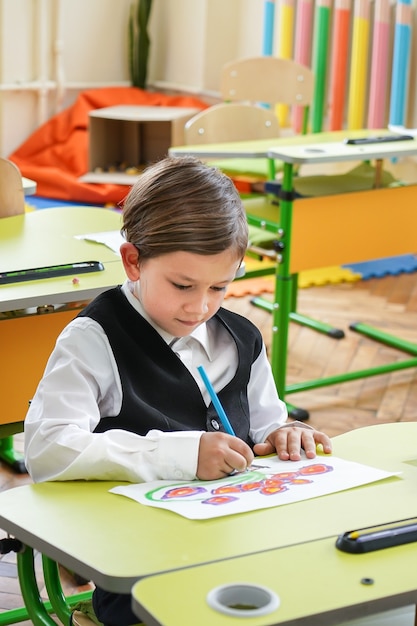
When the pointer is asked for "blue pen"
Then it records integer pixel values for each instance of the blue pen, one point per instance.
(216, 402)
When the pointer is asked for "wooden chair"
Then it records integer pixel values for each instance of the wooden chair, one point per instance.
(12, 197)
(252, 88)
(228, 122)
(231, 122)
(268, 80)
(262, 81)
(237, 122)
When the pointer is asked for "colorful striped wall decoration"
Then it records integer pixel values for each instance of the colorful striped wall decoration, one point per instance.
(359, 64)
(320, 62)
(339, 63)
(362, 76)
(400, 63)
(285, 47)
(302, 49)
(268, 32)
(379, 65)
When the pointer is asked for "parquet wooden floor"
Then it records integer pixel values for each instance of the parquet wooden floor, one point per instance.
(390, 303)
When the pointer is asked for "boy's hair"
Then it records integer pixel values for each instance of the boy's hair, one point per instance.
(181, 204)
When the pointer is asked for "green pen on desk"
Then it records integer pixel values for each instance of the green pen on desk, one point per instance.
(216, 402)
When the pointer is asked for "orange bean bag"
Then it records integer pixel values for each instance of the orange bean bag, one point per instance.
(56, 154)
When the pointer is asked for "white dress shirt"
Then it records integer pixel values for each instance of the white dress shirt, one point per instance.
(81, 384)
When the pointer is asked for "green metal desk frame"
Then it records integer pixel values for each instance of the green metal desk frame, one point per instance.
(283, 311)
(36, 609)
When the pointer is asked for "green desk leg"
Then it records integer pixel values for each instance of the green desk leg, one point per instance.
(298, 318)
(54, 589)
(35, 608)
(30, 591)
(386, 338)
(271, 226)
(376, 335)
(7, 452)
(283, 296)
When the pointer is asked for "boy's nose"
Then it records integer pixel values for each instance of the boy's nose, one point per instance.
(198, 304)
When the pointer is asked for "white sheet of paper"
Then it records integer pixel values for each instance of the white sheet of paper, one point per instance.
(270, 482)
(112, 239)
(402, 130)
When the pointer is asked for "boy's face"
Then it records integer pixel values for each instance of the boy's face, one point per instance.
(181, 290)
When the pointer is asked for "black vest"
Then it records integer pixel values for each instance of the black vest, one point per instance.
(158, 390)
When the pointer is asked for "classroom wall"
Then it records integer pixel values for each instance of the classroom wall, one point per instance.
(191, 40)
(50, 50)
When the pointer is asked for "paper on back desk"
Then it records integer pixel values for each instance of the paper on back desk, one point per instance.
(112, 239)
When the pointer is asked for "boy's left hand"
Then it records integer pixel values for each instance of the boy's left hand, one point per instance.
(288, 442)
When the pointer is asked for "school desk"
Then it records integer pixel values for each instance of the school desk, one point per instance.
(345, 228)
(33, 313)
(326, 231)
(313, 584)
(116, 541)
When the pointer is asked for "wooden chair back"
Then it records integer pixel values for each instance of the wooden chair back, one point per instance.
(226, 122)
(12, 197)
(267, 79)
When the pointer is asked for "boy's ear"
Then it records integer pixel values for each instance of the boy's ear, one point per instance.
(130, 259)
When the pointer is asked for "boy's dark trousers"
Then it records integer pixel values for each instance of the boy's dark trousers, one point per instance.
(113, 609)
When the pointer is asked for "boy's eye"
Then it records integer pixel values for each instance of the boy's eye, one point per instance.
(185, 287)
(181, 287)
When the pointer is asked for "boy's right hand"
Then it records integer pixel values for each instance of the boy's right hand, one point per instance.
(220, 454)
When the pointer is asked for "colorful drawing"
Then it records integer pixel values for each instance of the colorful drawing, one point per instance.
(273, 484)
(244, 483)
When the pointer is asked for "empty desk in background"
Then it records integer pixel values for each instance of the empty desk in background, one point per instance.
(324, 231)
(334, 230)
(115, 557)
(38, 239)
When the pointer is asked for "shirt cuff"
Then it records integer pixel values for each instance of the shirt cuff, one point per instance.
(178, 454)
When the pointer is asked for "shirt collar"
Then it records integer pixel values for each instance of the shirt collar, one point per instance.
(201, 334)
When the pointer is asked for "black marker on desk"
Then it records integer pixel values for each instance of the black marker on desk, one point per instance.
(381, 139)
(378, 537)
(52, 271)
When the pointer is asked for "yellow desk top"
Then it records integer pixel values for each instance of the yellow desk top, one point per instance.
(82, 526)
(315, 584)
(47, 237)
(264, 148)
